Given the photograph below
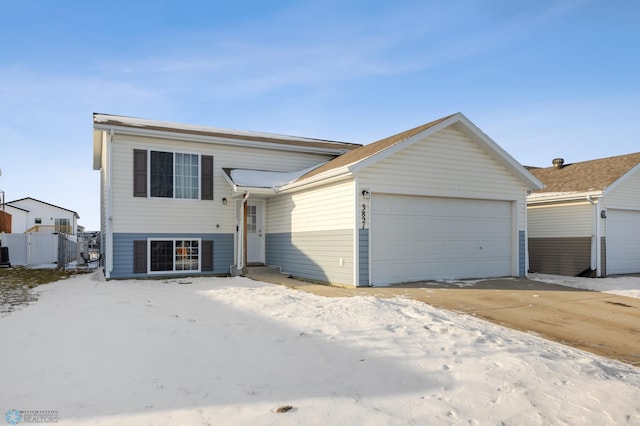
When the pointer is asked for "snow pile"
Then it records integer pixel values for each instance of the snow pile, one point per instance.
(234, 351)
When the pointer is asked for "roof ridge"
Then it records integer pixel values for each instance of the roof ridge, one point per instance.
(9, 203)
(613, 157)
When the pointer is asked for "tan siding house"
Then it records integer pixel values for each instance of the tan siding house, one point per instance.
(586, 221)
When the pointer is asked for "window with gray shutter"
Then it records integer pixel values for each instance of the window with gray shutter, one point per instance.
(206, 177)
(139, 173)
(172, 175)
(207, 255)
(140, 256)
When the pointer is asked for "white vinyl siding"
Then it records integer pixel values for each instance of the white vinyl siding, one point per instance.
(328, 207)
(560, 220)
(446, 164)
(626, 195)
(622, 226)
(139, 215)
(319, 228)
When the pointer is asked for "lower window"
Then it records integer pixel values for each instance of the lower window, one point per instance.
(174, 255)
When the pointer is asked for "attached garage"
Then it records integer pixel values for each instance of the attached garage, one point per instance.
(623, 241)
(439, 238)
(586, 220)
(439, 201)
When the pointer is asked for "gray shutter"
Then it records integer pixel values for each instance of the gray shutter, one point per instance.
(140, 256)
(139, 173)
(207, 256)
(206, 177)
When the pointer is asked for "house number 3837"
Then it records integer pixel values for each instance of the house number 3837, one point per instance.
(364, 215)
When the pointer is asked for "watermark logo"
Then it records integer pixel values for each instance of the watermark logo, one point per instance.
(14, 417)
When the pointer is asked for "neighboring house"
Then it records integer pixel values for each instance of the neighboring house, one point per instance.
(5, 218)
(31, 215)
(438, 201)
(42, 233)
(5, 221)
(586, 221)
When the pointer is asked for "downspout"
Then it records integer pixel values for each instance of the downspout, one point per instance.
(526, 237)
(108, 267)
(596, 249)
(240, 225)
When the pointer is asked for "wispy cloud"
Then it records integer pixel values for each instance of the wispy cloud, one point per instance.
(406, 40)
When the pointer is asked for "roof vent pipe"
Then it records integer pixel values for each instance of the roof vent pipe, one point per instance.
(558, 163)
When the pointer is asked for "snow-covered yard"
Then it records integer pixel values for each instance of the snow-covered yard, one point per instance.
(231, 351)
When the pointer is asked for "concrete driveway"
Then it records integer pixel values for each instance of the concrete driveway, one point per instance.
(605, 324)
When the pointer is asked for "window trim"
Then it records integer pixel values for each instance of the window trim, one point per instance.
(173, 183)
(174, 270)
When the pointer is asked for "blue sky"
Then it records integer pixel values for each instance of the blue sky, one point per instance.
(544, 78)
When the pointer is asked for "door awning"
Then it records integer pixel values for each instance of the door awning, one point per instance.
(263, 182)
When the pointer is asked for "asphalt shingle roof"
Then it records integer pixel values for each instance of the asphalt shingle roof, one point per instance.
(593, 175)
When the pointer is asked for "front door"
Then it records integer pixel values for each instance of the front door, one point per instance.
(255, 236)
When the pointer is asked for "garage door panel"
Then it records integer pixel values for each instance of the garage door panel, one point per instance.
(417, 238)
(411, 271)
(396, 226)
(623, 241)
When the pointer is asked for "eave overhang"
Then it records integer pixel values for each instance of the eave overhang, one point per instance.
(556, 197)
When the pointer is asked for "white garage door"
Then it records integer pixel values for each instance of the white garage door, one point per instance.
(418, 238)
(623, 241)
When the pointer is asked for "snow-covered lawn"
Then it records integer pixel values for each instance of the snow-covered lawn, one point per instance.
(231, 351)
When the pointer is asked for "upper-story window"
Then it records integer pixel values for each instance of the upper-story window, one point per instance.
(174, 175)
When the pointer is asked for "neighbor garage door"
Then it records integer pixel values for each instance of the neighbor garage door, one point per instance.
(623, 241)
(419, 238)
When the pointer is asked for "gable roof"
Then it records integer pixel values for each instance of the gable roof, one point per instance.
(367, 151)
(15, 207)
(10, 204)
(585, 176)
(376, 151)
(144, 126)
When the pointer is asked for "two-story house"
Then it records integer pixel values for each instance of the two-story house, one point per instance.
(441, 200)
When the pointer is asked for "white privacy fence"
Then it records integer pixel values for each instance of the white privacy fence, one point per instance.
(38, 248)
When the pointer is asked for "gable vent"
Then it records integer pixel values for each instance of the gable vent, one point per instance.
(558, 163)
